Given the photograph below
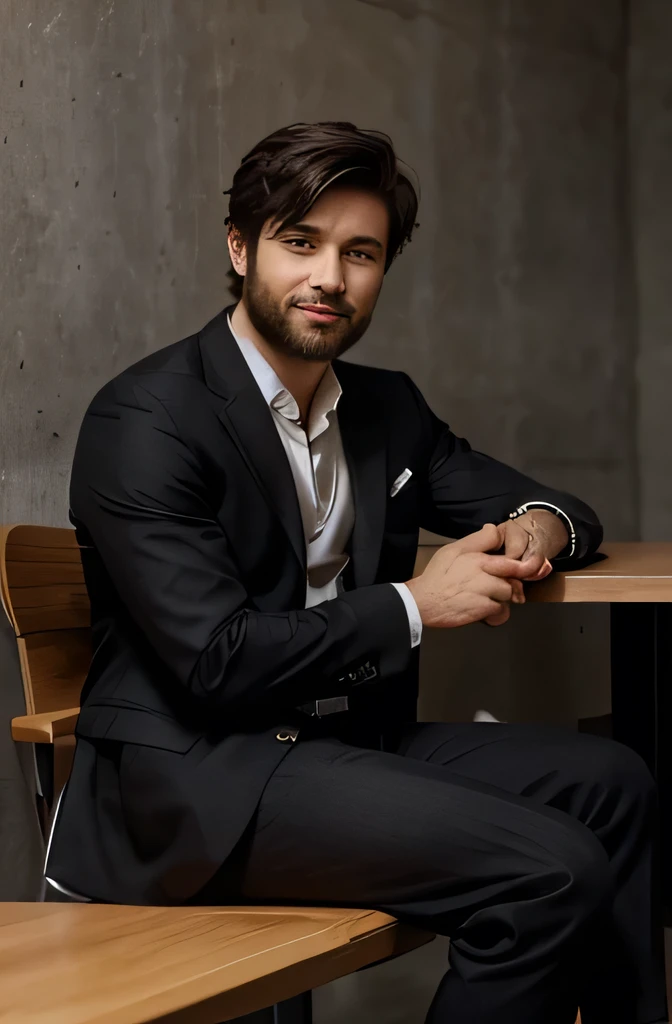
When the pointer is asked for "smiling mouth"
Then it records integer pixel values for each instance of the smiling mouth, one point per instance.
(319, 310)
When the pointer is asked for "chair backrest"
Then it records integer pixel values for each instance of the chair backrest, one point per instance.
(43, 590)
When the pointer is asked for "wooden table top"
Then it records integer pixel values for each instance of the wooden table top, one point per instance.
(97, 964)
(636, 572)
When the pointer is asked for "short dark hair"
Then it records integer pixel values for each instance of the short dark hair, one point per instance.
(280, 179)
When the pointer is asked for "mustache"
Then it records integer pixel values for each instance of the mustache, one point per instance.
(338, 306)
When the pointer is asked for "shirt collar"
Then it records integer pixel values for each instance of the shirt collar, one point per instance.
(267, 379)
(325, 401)
(277, 396)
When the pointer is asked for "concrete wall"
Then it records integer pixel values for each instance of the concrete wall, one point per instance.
(651, 177)
(124, 121)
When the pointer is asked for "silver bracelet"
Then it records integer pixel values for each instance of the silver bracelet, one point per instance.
(529, 505)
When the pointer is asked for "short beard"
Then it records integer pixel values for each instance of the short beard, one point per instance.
(314, 344)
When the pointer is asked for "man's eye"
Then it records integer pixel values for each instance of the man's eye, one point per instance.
(298, 243)
(360, 255)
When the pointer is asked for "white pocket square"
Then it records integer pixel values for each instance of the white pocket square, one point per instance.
(402, 479)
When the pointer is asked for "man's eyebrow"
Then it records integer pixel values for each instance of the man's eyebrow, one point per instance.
(366, 240)
(304, 229)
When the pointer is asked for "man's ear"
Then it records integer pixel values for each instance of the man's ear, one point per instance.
(237, 252)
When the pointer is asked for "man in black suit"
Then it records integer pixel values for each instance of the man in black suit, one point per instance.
(248, 507)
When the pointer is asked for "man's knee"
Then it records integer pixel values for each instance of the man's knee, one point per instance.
(618, 769)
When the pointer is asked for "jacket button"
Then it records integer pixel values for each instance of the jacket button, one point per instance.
(287, 735)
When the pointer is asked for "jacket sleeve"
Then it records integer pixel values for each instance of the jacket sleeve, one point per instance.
(465, 489)
(142, 496)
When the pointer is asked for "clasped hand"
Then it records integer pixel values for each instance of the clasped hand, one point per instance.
(478, 578)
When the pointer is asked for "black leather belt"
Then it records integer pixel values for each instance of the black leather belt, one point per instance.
(328, 706)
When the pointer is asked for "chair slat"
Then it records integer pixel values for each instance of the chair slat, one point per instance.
(54, 665)
(52, 609)
(59, 537)
(44, 552)
(38, 573)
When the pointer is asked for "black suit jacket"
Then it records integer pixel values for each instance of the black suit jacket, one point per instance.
(195, 561)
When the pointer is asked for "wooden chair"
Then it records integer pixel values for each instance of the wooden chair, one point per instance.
(203, 965)
(42, 587)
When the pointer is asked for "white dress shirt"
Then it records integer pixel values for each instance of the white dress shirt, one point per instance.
(321, 478)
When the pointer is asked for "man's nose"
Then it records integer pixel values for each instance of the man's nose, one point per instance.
(327, 273)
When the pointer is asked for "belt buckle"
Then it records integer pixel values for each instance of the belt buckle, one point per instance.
(326, 706)
(331, 706)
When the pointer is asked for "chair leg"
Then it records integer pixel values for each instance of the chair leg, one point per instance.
(298, 1010)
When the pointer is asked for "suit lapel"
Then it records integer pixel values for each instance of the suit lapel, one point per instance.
(249, 422)
(361, 423)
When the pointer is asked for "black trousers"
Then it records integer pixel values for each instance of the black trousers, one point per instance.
(532, 848)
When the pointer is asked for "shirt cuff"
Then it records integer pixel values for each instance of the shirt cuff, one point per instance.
(414, 620)
(570, 548)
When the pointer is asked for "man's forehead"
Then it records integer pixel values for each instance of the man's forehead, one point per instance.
(349, 211)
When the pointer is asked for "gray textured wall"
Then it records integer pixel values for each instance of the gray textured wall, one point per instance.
(651, 171)
(124, 121)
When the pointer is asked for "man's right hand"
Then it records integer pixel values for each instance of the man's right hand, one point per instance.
(464, 582)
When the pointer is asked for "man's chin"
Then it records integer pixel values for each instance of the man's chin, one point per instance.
(318, 348)
(319, 344)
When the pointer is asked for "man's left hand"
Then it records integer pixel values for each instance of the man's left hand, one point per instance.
(537, 533)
